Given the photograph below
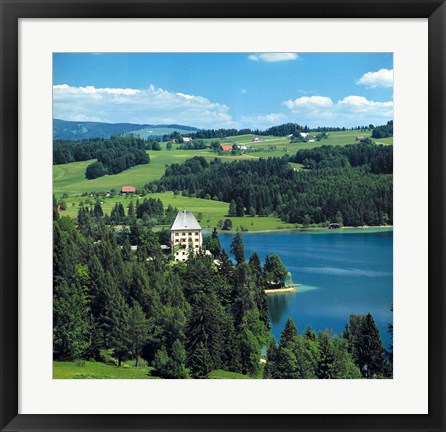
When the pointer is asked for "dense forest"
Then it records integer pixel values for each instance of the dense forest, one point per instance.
(383, 131)
(116, 290)
(351, 186)
(378, 158)
(113, 155)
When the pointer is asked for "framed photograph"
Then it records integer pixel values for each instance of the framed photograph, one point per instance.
(229, 216)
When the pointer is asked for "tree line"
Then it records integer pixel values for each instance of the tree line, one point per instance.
(383, 131)
(378, 158)
(280, 130)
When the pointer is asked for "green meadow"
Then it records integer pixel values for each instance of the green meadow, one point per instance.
(95, 370)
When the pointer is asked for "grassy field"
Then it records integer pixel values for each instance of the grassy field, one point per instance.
(97, 370)
(212, 211)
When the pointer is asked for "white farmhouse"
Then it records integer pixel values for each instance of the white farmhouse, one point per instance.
(185, 233)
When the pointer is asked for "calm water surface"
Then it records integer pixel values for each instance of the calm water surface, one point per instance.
(340, 274)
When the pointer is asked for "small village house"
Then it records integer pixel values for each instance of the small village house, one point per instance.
(128, 190)
(226, 147)
(185, 235)
(187, 139)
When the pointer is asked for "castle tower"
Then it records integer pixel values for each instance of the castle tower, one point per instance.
(184, 231)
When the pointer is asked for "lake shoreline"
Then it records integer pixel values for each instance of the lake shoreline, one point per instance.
(377, 228)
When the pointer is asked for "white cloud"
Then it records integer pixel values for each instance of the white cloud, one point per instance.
(381, 78)
(152, 105)
(361, 104)
(309, 101)
(273, 57)
(349, 111)
(262, 120)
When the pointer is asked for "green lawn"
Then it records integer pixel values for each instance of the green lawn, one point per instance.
(97, 370)
(222, 374)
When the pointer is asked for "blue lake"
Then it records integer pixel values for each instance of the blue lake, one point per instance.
(341, 273)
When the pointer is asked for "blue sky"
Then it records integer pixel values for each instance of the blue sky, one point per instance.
(255, 90)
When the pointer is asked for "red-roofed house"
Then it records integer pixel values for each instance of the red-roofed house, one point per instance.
(128, 189)
(226, 148)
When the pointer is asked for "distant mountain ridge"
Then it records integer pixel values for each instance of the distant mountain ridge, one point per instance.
(79, 130)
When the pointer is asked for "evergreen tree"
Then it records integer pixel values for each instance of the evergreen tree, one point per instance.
(232, 209)
(370, 354)
(238, 248)
(326, 366)
(116, 324)
(138, 334)
(271, 358)
(240, 209)
(309, 333)
(289, 333)
(200, 363)
(205, 326)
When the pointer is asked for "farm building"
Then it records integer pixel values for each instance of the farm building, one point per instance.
(226, 147)
(304, 134)
(185, 233)
(187, 139)
(128, 189)
(359, 137)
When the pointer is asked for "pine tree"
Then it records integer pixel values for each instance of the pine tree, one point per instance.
(271, 358)
(232, 209)
(289, 333)
(325, 367)
(200, 364)
(116, 324)
(370, 354)
(178, 360)
(205, 326)
(309, 333)
(240, 209)
(138, 331)
(238, 248)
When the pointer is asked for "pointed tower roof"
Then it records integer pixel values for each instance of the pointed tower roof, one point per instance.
(185, 220)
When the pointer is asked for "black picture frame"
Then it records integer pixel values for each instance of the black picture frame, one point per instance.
(12, 10)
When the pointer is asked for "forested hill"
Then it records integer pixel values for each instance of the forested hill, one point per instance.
(330, 189)
(74, 130)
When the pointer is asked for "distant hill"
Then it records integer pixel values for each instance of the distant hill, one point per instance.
(74, 130)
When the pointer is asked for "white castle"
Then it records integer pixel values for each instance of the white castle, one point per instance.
(184, 234)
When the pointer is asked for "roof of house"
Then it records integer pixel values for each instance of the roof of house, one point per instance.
(128, 189)
(185, 220)
(226, 147)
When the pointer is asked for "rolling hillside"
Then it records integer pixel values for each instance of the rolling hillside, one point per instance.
(72, 130)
